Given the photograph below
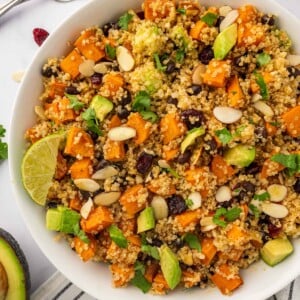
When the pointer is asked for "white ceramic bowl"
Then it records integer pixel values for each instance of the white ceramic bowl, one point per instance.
(260, 281)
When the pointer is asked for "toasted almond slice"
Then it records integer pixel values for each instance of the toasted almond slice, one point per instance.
(223, 194)
(105, 173)
(224, 10)
(264, 108)
(107, 199)
(125, 59)
(275, 210)
(86, 68)
(121, 133)
(160, 207)
(294, 60)
(256, 97)
(197, 77)
(196, 200)
(163, 164)
(230, 18)
(40, 112)
(87, 184)
(277, 192)
(227, 115)
(102, 67)
(86, 208)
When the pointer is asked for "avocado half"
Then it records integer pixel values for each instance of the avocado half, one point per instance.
(14, 270)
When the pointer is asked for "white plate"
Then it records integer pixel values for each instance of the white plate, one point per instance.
(260, 281)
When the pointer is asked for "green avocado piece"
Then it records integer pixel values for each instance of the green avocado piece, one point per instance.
(240, 155)
(102, 106)
(275, 251)
(62, 219)
(225, 41)
(146, 220)
(170, 266)
(13, 262)
(190, 138)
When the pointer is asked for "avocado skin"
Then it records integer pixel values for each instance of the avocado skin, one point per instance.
(10, 240)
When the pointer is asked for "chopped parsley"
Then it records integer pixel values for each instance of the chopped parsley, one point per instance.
(222, 216)
(149, 116)
(262, 197)
(180, 54)
(74, 102)
(262, 85)
(210, 19)
(224, 135)
(192, 240)
(263, 59)
(110, 51)
(254, 210)
(117, 236)
(141, 101)
(125, 20)
(290, 161)
(91, 121)
(3, 145)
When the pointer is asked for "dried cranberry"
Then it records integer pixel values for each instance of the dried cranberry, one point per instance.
(245, 190)
(253, 169)
(39, 35)
(51, 204)
(260, 133)
(297, 186)
(274, 231)
(192, 118)
(156, 242)
(96, 78)
(72, 90)
(212, 145)
(184, 157)
(144, 162)
(176, 205)
(206, 55)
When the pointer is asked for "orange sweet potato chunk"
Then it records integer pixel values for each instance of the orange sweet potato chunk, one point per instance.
(142, 127)
(209, 250)
(217, 73)
(81, 168)
(113, 82)
(221, 169)
(195, 31)
(171, 127)
(70, 64)
(86, 251)
(158, 8)
(114, 150)
(189, 217)
(122, 274)
(235, 93)
(291, 119)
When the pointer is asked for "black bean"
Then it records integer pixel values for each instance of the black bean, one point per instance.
(297, 186)
(93, 135)
(184, 157)
(206, 55)
(51, 204)
(102, 164)
(156, 242)
(219, 20)
(253, 169)
(72, 90)
(293, 72)
(212, 144)
(261, 133)
(176, 205)
(144, 162)
(141, 14)
(108, 26)
(171, 67)
(269, 20)
(122, 112)
(195, 89)
(48, 72)
(192, 118)
(126, 98)
(96, 78)
(172, 100)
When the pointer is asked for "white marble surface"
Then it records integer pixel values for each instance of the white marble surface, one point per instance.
(17, 48)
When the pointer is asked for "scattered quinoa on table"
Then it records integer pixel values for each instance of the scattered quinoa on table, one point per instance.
(180, 164)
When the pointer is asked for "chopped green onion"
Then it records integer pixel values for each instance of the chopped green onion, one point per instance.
(149, 116)
(210, 19)
(151, 251)
(262, 85)
(139, 280)
(117, 236)
(158, 63)
(192, 240)
(254, 210)
(189, 203)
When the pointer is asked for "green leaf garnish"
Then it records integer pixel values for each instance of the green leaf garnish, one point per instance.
(110, 51)
(180, 54)
(2, 131)
(192, 240)
(290, 161)
(254, 210)
(91, 120)
(149, 116)
(210, 19)
(224, 135)
(117, 236)
(227, 215)
(3, 145)
(151, 251)
(233, 214)
(125, 20)
(189, 203)
(139, 280)
(262, 85)
(262, 197)
(80, 233)
(141, 101)
(74, 102)
(158, 63)
(182, 11)
(263, 59)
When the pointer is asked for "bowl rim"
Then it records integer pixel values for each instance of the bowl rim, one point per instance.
(14, 176)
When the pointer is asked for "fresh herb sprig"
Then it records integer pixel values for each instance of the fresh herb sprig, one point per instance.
(3, 145)
(222, 216)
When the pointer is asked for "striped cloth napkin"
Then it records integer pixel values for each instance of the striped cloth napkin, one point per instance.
(58, 287)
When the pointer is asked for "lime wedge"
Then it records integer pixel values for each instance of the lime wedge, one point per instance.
(38, 166)
(225, 41)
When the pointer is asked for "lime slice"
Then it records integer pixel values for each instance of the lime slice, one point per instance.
(225, 41)
(38, 167)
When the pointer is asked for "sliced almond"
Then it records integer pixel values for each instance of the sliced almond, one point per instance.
(102, 67)
(87, 184)
(107, 199)
(230, 18)
(121, 133)
(227, 115)
(86, 68)
(196, 200)
(256, 97)
(264, 108)
(223, 194)
(275, 210)
(207, 224)
(40, 112)
(86, 208)
(197, 76)
(294, 60)
(105, 173)
(224, 10)
(160, 207)
(163, 164)
(125, 59)
(277, 192)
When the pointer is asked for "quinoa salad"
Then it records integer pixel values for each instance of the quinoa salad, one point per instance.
(179, 159)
